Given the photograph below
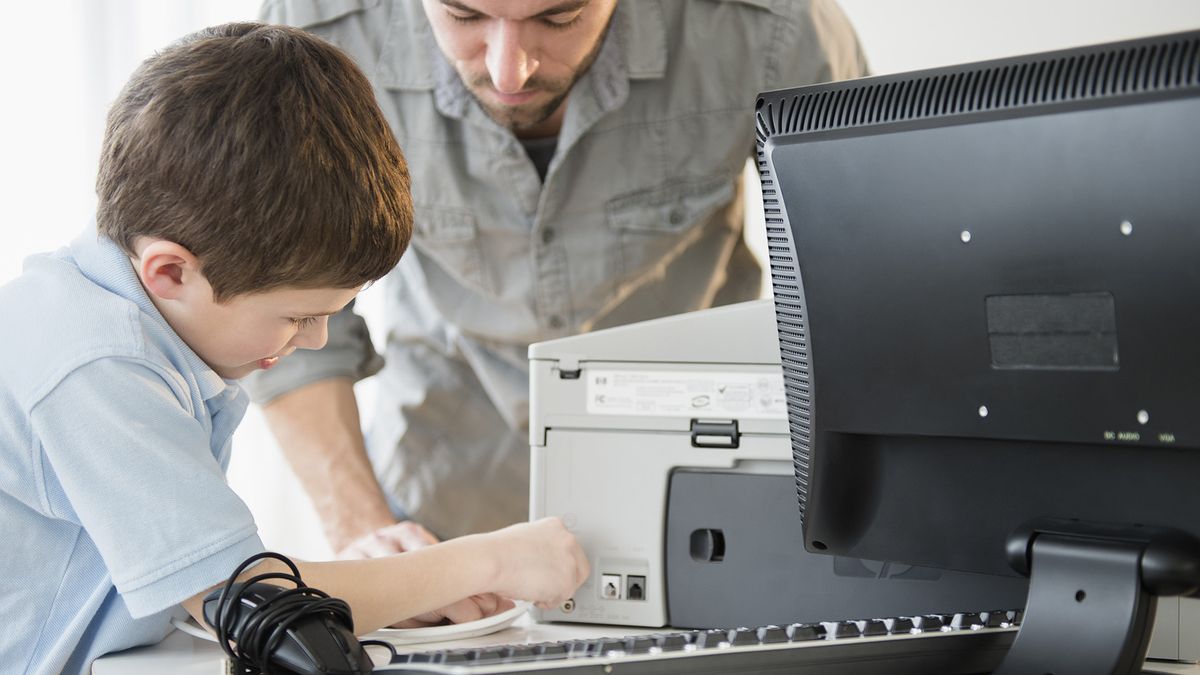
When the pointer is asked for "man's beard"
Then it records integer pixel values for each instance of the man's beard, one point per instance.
(518, 118)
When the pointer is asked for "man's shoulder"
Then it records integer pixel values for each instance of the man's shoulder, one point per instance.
(313, 13)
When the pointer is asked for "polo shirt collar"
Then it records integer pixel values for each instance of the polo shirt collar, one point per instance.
(103, 262)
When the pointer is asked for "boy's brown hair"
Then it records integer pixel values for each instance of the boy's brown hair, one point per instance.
(262, 151)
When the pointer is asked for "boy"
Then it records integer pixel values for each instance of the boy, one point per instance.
(248, 189)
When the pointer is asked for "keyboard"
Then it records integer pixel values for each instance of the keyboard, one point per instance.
(962, 643)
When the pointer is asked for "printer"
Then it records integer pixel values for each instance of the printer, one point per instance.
(664, 446)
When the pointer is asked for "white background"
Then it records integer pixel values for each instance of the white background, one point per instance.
(64, 62)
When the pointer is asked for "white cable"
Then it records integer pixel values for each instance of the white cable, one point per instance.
(193, 629)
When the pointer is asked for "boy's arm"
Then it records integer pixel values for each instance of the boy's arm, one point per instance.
(537, 561)
(318, 430)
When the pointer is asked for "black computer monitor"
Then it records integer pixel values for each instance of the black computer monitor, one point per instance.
(987, 286)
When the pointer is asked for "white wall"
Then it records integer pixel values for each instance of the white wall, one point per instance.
(64, 62)
(901, 35)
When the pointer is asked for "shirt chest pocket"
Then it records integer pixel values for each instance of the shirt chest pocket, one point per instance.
(450, 238)
(653, 225)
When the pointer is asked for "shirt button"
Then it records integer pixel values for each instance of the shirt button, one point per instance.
(556, 322)
(676, 216)
(547, 235)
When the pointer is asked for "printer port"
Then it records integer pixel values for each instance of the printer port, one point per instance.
(635, 587)
(610, 586)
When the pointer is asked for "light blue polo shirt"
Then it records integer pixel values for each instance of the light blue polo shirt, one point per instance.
(114, 439)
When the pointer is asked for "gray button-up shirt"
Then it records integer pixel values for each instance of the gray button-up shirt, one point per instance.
(639, 216)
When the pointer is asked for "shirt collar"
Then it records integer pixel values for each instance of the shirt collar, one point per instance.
(105, 264)
(410, 58)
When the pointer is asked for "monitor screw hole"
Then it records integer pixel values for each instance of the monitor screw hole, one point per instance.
(1126, 228)
(820, 546)
(1079, 596)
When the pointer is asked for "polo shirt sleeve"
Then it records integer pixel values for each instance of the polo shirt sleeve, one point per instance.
(123, 456)
(348, 353)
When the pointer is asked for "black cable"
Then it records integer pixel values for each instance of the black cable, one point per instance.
(265, 626)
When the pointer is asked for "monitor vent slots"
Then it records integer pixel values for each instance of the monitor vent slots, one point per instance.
(1143, 66)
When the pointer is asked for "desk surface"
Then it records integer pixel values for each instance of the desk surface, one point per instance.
(183, 654)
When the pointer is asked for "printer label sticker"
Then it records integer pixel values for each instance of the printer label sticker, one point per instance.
(689, 394)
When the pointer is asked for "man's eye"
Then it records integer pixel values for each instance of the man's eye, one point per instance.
(304, 321)
(562, 21)
(463, 17)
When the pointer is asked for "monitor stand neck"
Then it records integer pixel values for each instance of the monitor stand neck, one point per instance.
(1088, 612)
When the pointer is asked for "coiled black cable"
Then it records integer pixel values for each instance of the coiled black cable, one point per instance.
(249, 636)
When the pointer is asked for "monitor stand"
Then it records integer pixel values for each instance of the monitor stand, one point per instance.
(1092, 593)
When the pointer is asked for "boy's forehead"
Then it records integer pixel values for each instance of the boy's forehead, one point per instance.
(307, 301)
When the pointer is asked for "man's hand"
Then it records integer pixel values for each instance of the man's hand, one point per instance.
(396, 538)
(468, 609)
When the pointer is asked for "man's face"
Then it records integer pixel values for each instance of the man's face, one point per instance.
(519, 58)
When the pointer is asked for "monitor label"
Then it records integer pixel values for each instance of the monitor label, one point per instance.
(1072, 331)
(717, 394)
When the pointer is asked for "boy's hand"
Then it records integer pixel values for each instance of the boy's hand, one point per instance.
(538, 561)
(396, 538)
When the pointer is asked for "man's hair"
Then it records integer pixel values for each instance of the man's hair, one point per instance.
(262, 151)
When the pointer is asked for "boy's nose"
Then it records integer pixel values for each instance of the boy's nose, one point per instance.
(508, 61)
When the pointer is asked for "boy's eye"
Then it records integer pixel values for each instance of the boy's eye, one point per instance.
(304, 321)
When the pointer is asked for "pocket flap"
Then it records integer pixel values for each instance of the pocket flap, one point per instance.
(671, 207)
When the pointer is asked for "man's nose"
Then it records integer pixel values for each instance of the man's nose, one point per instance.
(508, 61)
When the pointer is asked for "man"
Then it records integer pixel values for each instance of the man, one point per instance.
(576, 165)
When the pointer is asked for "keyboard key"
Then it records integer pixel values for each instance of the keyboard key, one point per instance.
(639, 645)
(902, 625)
(673, 643)
(843, 629)
(489, 655)
(520, 653)
(551, 650)
(932, 623)
(967, 621)
(772, 635)
(800, 632)
(609, 646)
(872, 627)
(712, 639)
(995, 619)
(743, 636)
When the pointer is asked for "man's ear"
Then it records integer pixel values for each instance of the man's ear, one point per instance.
(166, 269)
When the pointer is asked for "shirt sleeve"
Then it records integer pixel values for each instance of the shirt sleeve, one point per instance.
(819, 44)
(348, 353)
(133, 466)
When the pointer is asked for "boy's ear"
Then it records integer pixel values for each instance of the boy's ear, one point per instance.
(167, 269)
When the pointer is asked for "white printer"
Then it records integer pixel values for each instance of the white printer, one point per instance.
(664, 446)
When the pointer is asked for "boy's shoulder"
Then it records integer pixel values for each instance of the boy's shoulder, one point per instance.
(59, 318)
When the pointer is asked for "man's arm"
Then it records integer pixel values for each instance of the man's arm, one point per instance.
(318, 429)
